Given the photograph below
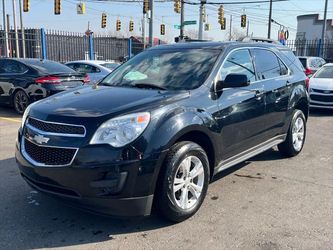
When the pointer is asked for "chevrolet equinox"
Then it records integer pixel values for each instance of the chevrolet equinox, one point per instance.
(159, 127)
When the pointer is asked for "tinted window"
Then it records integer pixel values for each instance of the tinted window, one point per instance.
(303, 61)
(267, 64)
(83, 68)
(46, 66)
(239, 62)
(12, 67)
(176, 69)
(325, 72)
(284, 69)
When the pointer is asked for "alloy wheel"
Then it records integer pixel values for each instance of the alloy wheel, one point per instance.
(188, 182)
(21, 101)
(298, 134)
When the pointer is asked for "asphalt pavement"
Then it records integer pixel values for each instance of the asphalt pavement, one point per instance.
(268, 202)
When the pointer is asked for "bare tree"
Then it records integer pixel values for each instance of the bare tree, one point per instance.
(236, 34)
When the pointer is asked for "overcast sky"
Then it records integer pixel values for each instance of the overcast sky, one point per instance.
(42, 15)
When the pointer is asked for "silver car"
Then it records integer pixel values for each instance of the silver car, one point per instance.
(321, 87)
(95, 69)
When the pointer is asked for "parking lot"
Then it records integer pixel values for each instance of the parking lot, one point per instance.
(265, 203)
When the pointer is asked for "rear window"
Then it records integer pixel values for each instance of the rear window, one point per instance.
(325, 72)
(303, 61)
(46, 66)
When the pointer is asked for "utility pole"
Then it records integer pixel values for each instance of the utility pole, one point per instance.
(182, 5)
(201, 18)
(247, 28)
(17, 54)
(270, 19)
(144, 30)
(230, 31)
(5, 27)
(151, 23)
(22, 30)
(10, 52)
(323, 34)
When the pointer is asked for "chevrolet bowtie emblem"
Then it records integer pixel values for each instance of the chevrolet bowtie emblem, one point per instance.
(40, 139)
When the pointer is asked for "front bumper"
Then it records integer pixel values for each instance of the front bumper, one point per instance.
(117, 189)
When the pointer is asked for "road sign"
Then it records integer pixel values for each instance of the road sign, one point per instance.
(176, 26)
(190, 22)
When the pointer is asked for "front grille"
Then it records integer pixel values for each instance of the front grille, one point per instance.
(322, 98)
(56, 127)
(323, 91)
(49, 156)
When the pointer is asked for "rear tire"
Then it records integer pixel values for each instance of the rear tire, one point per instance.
(20, 101)
(185, 181)
(294, 142)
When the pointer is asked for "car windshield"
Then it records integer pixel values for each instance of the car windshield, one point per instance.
(46, 66)
(176, 69)
(325, 72)
(110, 65)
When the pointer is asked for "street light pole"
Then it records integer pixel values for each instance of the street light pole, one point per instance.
(323, 34)
(15, 30)
(5, 27)
(181, 37)
(270, 19)
(151, 23)
(22, 30)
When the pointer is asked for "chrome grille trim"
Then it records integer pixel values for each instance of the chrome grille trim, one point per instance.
(54, 133)
(39, 164)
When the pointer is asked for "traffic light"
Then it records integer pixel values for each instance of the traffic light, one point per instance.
(221, 14)
(243, 21)
(207, 27)
(81, 8)
(103, 24)
(162, 29)
(223, 23)
(145, 6)
(118, 25)
(131, 26)
(26, 5)
(57, 7)
(177, 6)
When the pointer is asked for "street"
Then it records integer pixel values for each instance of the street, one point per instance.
(265, 203)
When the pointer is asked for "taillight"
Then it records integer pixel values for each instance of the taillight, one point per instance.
(308, 71)
(86, 79)
(307, 83)
(48, 79)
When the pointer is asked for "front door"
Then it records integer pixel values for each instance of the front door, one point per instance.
(241, 109)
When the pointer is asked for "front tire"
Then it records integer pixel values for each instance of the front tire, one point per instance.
(294, 142)
(185, 182)
(20, 101)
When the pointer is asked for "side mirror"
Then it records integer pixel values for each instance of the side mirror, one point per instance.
(233, 81)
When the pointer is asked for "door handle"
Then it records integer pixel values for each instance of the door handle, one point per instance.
(259, 93)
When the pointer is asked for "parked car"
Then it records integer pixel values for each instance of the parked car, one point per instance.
(159, 127)
(311, 64)
(96, 70)
(23, 81)
(321, 88)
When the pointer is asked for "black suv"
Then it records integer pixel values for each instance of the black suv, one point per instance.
(158, 128)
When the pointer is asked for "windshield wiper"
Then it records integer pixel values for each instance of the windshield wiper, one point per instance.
(148, 86)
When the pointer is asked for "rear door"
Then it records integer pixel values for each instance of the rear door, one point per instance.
(276, 80)
(12, 75)
(241, 110)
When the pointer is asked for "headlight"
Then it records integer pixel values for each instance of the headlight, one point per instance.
(25, 115)
(121, 130)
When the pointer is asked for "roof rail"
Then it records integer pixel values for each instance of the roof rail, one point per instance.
(258, 39)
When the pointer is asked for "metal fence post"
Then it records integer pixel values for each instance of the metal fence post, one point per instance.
(129, 48)
(43, 43)
(91, 47)
(319, 48)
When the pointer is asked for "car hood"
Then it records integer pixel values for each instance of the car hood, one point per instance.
(91, 101)
(321, 83)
